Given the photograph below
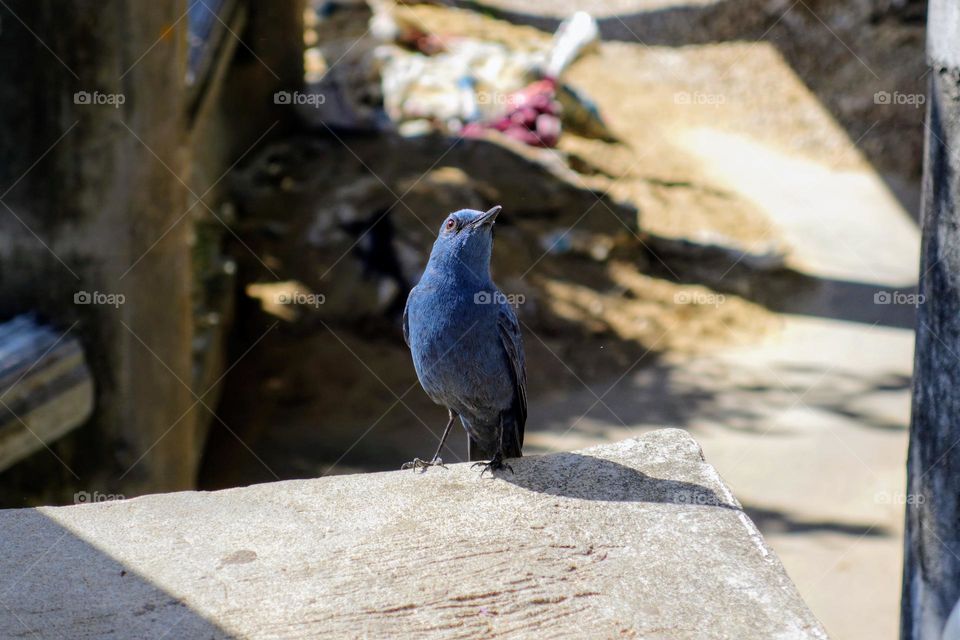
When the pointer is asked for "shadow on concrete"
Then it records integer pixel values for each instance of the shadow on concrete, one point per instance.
(781, 289)
(57, 585)
(574, 475)
(848, 301)
(771, 521)
(702, 392)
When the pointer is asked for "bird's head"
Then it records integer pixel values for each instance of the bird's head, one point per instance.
(466, 237)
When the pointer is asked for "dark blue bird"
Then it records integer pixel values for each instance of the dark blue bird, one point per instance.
(465, 341)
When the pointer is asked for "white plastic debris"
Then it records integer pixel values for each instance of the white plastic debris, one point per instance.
(573, 35)
(466, 82)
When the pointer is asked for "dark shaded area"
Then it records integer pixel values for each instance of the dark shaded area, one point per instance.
(564, 474)
(775, 521)
(375, 248)
(42, 564)
(779, 288)
(663, 393)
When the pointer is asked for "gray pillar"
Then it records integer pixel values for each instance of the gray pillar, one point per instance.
(931, 576)
(89, 217)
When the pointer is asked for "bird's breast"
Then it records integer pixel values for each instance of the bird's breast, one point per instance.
(456, 349)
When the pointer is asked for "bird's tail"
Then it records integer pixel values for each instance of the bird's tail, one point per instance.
(476, 451)
(511, 444)
(512, 438)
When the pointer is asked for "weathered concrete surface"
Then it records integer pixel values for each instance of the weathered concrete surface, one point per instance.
(635, 539)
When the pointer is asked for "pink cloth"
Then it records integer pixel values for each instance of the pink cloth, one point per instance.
(532, 117)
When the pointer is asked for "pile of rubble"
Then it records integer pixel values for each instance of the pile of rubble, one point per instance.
(398, 75)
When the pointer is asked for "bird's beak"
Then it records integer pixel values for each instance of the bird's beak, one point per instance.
(488, 218)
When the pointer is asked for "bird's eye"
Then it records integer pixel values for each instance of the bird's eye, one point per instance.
(451, 223)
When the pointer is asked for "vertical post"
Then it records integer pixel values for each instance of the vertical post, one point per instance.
(269, 60)
(931, 574)
(93, 222)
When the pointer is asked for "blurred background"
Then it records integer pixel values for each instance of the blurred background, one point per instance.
(213, 211)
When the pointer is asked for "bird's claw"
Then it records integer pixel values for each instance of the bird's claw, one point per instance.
(496, 463)
(419, 463)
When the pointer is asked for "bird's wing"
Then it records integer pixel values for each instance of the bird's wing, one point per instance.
(406, 320)
(513, 345)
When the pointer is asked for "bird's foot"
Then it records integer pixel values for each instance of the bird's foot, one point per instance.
(418, 463)
(496, 464)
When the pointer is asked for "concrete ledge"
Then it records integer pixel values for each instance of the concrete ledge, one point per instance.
(635, 539)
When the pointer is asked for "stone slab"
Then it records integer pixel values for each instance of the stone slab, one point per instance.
(635, 539)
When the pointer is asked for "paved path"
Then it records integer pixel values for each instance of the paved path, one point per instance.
(810, 432)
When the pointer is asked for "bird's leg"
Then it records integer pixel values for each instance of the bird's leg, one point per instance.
(446, 431)
(437, 461)
(496, 462)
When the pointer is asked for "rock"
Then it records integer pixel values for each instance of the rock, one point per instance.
(635, 539)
